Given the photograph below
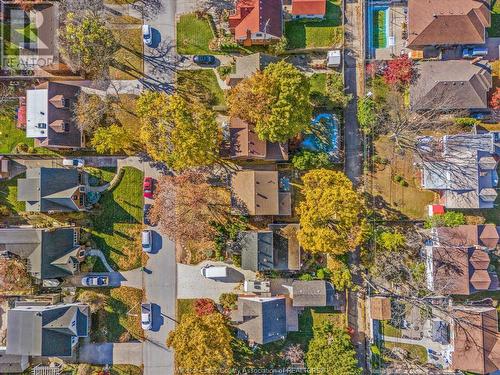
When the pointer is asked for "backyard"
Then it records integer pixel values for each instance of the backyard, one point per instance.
(310, 33)
(193, 35)
(494, 30)
(395, 181)
(10, 136)
(117, 221)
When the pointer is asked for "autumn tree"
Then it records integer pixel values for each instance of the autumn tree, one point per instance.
(366, 114)
(204, 306)
(202, 344)
(114, 139)
(181, 134)
(186, 205)
(13, 275)
(87, 45)
(331, 213)
(91, 112)
(495, 99)
(331, 352)
(340, 274)
(276, 100)
(399, 71)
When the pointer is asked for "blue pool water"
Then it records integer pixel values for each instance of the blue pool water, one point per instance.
(325, 136)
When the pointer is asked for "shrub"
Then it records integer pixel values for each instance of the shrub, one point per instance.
(466, 121)
(22, 147)
(306, 160)
(366, 114)
(449, 219)
(236, 258)
(4, 211)
(204, 306)
(306, 277)
(323, 273)
(228, 300)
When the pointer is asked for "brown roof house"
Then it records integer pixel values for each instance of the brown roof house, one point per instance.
(260, 193)
(49, 116)
(273, 249)
(476, 341)
(308, 8)
(461, 168)
(380, 308)
(261, 320)
(246, 66)
(458, 270)
(53, 190)
(451, 85)
(447, 22)
(245, 143)
(257, 22)
(485, 237)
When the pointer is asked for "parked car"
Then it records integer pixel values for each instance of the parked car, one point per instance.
(473, 52)
(79, 163)
(146, 219)
(204, 59)
(95, 281)
(147, 35)
(214, 272)
(146, 316)
(148, 187)
(147, 240)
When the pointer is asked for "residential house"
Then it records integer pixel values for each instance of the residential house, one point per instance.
(257, 22)
(484, 237)
(308, 8)
(256, 192)
(458, 270)
(49, 116)
(46, 330)
(447, 22)
(246, 145)
(50, 253)
(476, 341)
(261, 320)
(52, 189)
(451, 85)
(12, 364)
(314, 293)
(4, 167)
(461, 168)
(274, 249)
(246, 66)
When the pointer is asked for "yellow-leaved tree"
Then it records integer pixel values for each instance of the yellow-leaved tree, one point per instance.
(202, 344)
(331, 213)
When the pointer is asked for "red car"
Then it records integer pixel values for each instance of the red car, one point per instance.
(148, 187)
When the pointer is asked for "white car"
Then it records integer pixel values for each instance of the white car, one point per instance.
(213, 272)
(147, 35)
(146, 241)
(146, 321)
(79, 163)
(95, 281)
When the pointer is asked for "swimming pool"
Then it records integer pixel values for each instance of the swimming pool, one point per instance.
(324, 136)
(378, 27)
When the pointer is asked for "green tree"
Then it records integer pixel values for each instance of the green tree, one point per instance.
(331, 352)
(340, 275)
(449, 219)
(87, 45)
(183, 135)
(306, 160)
(276, 100)
(391, 241)
(366, 114)
(335, 90)
(202, 343)
(331, 213)
(113, 139)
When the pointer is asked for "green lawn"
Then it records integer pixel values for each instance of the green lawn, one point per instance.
(184, 306)
(193, 35)
(10, 136)
(100, 176)
(416, 352)
(117, 221)
(389, 330)
(378, 27)
(307, 33)
(202, 84)
(494, 30)
(318, 83)
(128, 62)
(8, 195)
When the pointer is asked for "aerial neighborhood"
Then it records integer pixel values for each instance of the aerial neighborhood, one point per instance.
(249, 186)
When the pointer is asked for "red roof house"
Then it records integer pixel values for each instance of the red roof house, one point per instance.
(257, 22)
(308, 8)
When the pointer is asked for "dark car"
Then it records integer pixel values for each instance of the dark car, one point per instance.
(148, 187)
(146, 219)
(204, 59)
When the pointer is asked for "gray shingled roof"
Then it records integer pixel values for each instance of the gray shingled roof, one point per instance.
(256, 250)
(451, 84)
(315, 293)
(46, 189)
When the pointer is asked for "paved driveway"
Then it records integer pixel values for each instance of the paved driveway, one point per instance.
(116, 279)
(111, 353)
(191, 284)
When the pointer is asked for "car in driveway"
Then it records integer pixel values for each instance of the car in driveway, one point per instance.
(146, 220)
(147, 35)
(147, 241)
(78, 163)
(204, 59)
(213, 272)
(147, 187)
(95, 281)
(146, 316)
